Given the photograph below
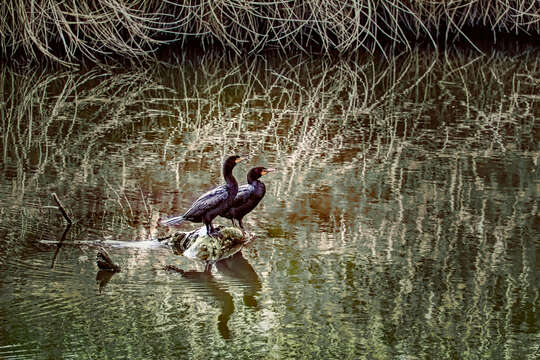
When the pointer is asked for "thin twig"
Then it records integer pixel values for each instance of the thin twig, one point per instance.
(160, 239)
(68, 226)
(59, 245)
(61, 208)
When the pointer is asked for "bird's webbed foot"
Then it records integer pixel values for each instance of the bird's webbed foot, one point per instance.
(213, 232)
(244, 231)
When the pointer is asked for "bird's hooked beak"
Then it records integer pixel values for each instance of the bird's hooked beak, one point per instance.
(266, 171)
(240, 158)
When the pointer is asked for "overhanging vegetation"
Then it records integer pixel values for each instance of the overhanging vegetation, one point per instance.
(71, 31)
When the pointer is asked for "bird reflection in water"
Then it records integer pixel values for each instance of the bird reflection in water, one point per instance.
(240, 269)
(206, 280)
(236, 267)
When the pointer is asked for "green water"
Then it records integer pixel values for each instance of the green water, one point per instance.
(402, 224)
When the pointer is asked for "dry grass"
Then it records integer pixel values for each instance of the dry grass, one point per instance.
(71, 31)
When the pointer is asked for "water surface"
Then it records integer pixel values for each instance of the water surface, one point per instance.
(402, 224)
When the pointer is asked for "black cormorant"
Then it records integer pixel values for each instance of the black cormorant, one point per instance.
(213, 202)
(248, 196)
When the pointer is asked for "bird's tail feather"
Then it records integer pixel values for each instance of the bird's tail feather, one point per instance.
(177, 220)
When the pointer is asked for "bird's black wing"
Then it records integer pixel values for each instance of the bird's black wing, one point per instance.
(244, 193)
(207, 201)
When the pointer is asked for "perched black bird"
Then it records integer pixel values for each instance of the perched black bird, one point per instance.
(212, 203)
(249, 195)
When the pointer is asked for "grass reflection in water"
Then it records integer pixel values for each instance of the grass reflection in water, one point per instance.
(402, 222)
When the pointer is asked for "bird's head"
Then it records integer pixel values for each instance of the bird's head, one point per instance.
(257, 172)
(231, 161)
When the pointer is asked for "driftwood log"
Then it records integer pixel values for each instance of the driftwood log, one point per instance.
(198, 245)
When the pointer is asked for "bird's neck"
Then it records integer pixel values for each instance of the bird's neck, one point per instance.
(229, 178)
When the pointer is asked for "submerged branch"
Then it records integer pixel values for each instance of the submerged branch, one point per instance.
(66, 230)
(59, 245)
(61, 208)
